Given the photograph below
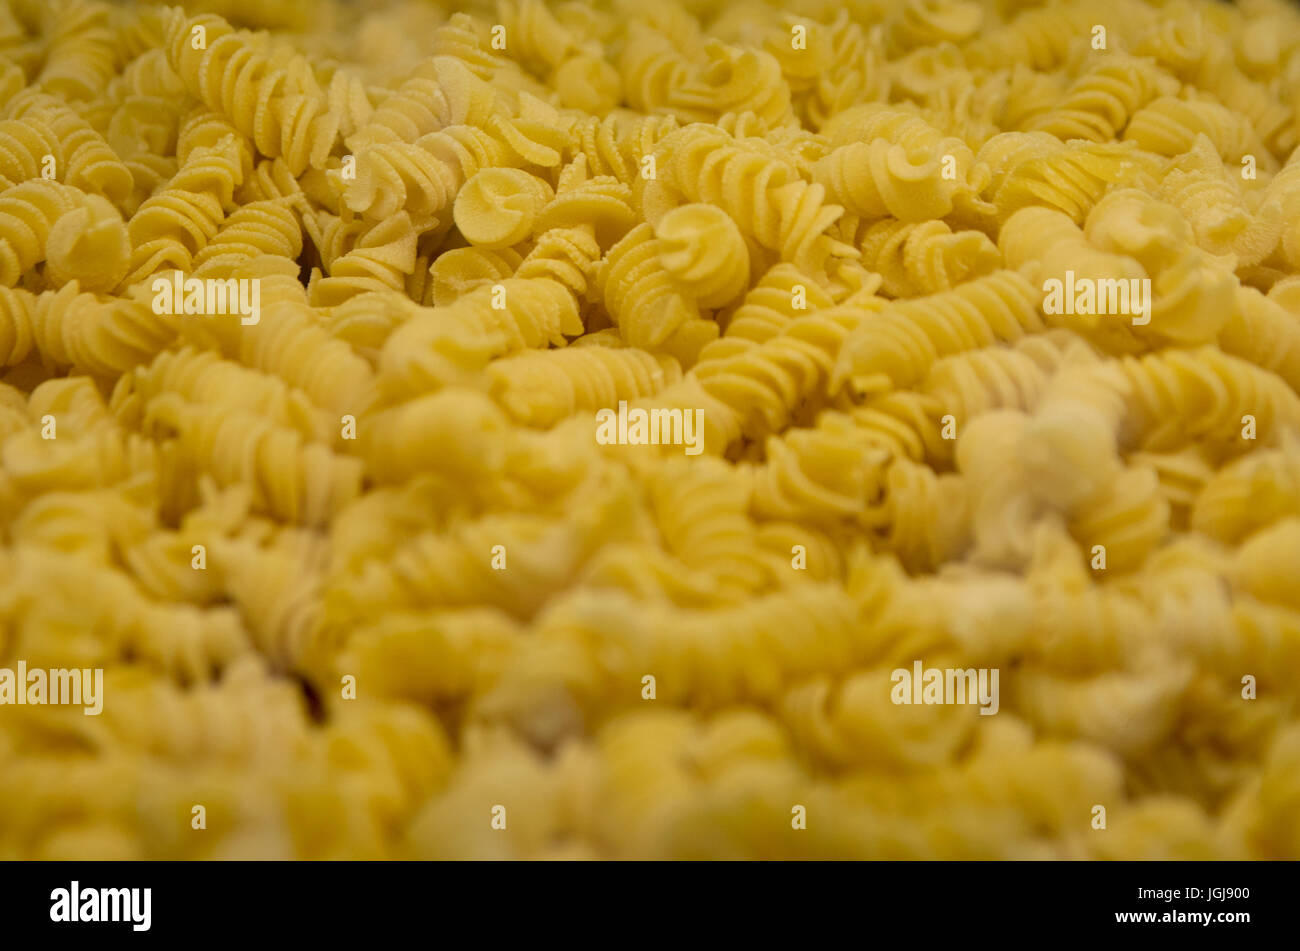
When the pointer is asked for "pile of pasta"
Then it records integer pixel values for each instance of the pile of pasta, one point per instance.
(364, 582)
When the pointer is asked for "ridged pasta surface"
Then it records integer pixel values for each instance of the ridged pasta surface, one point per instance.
(548, 429)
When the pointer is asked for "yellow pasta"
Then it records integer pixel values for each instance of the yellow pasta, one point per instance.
(613, 413)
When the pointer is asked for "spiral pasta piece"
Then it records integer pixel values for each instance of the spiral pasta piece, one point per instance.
(300, 483)
(497, 207)
(897, 346)
(541, 388)
(30, 212)
(91, 163)
(704, 253)
(296, 122)
(23, 150)
(649, 306)
(764, 196)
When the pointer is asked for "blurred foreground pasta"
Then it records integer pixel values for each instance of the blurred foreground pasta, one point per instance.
(366, 544)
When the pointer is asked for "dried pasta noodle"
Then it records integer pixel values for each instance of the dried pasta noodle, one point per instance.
(361, 569)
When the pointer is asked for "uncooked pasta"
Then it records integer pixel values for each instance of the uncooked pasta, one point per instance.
(670, 429)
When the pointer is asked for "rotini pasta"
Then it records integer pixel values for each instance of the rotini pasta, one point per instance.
(604, 411)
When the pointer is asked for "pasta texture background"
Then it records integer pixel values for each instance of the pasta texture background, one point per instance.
(365, 578)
